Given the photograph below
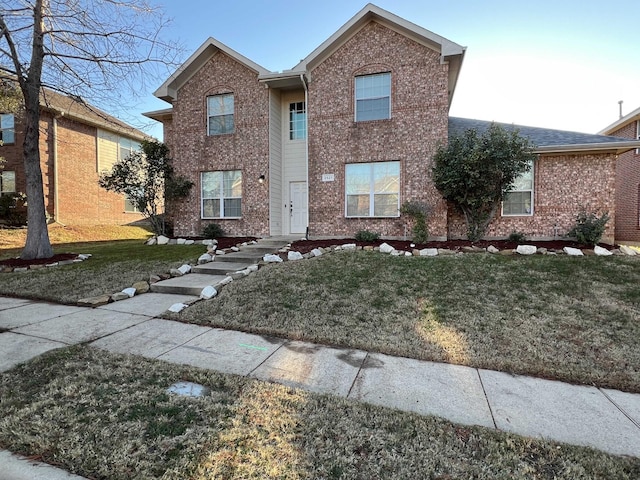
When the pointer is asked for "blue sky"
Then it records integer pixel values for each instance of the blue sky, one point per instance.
(561, 64)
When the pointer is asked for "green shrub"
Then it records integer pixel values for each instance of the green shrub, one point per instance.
(418, 211)
(589, 227)
(212, 230)
(367, 236)
(517, 237)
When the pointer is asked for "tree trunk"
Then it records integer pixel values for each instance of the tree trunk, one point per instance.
(37, 244)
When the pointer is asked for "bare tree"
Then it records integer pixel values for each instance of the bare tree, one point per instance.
(94, 49)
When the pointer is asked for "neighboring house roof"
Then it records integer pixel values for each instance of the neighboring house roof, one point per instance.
(450, 52)
(83, 112)
(551, 141)
(621, 122)
(168, 90)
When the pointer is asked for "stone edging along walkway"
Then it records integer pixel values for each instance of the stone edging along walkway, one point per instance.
(288, 254)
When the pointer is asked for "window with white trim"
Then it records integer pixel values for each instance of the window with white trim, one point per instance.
(637, 135)
(519, 200)
(373, 97)
(7, 129)
(7, 181)
(126, 147)
(221, 194)
(372, 189)
(220, 109)
(297, 121)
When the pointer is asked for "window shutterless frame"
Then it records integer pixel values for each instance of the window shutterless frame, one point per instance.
(221, 194)
(372, 190)
(220, 114)
(519, 201)
(7, 129)
(373, 97)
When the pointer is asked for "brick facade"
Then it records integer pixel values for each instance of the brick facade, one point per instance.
(80, 199)
(247, 149)
(563, 186)
(419, 107)
(628, 189)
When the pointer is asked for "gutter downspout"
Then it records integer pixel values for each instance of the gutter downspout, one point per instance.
(306, 144)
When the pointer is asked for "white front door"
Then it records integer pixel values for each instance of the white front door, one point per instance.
(298, 207)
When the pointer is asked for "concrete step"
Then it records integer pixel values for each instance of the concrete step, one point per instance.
(258, 249)
(240, 257)
(190, 284)
(220, 268)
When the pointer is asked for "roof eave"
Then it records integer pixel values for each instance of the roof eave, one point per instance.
(607, 147)
(159, 115)
(168, 90)
(621, 122)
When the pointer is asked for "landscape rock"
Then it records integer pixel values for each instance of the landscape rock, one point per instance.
(238, 275)
(84, 256)
(162, 240)
(94, 301)
(316, 252)
(445, 251)
(189, 242)
(349, 246)
(173, 241)
(541, 251)
(154, 278)
(386, 248)
(151, 241)
(35, 267)
(220, 252)
(177, 307)
(415, 252)
(174, 272)
(208, 292)
(204, 258)
(164, 276)
(253, 268)
(23, 269)
(628, 250)
(506, 253)
(574, 252)
(235, 249)
(181, 241)
(492, 249)
(271, 258)
(292, 256)
(141, 287)
(395, 253)
(526, 249)
(184, 269)
(472, 249)
(211, 249)
(429, 252)
(129, 291)
(600, 251)
(116, 297)
(225, 281)
(368, 248)
(5, 269)
(408, 254)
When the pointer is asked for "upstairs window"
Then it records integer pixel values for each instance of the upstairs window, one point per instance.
(519, 201)
(126, 147)
(7, 182)
(637, 135)
(373, 97)
(372, 189)
(297, 121)
(221, 194)
(220, 114)
(7, 129)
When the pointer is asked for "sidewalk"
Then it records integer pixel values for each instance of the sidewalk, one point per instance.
(605, 419)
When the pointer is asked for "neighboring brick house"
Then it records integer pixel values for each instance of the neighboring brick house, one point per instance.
(77, 142)
(336, 144)
(627, 179)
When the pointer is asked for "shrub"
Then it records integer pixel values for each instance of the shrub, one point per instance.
(589, 227)
(418, 211)
(367, 236)
(212, 230)
(12, 209)
(517, 237)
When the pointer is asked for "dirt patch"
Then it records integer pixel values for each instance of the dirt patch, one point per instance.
(305, 246)
(19, 263)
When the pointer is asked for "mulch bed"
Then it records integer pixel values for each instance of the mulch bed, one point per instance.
(305, 246)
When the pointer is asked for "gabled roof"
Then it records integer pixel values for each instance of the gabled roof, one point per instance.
(449, 51)
(83, 112)
(621, 122)
(551, 141)
(168, 90)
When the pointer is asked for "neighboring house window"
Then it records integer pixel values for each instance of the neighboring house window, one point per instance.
(126, 147)
(519, 201)
(220, 114)
(297, 121)
(130, 206)
(372, 189)
(637, 135)
(7, 129)
(222, 194)
(373, 97)
(7, 182)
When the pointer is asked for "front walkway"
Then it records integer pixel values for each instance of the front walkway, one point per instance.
(605, 419)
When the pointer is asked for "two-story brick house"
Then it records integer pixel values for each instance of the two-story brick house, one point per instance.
(627, 180)
(77, 142)
(338, 143)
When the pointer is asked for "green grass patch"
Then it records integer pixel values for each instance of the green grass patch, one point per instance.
(109, 416)
(113, 266)
(560, 317)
